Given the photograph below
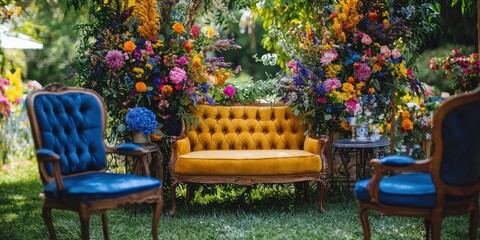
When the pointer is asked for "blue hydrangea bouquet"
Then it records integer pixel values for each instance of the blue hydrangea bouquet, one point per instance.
(141, 119)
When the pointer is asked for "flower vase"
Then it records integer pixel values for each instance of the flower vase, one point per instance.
(362, 132)
(138, 137)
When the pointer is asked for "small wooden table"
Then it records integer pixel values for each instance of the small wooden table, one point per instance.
(154, 161)
(364, 150)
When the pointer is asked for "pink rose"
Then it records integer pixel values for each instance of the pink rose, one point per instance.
(367, 40)
(195, 31)
(396, 53)
(332, 84)
(229, 91)
(385, 51)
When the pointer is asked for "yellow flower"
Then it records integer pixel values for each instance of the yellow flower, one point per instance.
(149, 66)
(129, 46)
(386, 22)
(197, 61)
(178, 28)
(141, 87)
(210, 32)
(146, 10)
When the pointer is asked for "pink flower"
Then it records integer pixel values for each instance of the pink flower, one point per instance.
(428, 91)
(385, 51)
(353, 106)
(182, 61)
(329, 56)
(290, 64)
(367, 40)
(229, 91)
(195, 31)
(363, 72)
(396, 53)
(177, 75)
(32, 85)
(332, 84)
(114, 60)
(321, 100)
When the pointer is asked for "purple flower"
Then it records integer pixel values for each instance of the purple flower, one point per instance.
(332, 84)
(114, 59)
(229, 91)
(182, 61)
(177, 75)
(363, 72)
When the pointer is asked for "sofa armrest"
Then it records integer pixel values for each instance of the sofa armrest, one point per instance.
(317, 145)
(178, 146)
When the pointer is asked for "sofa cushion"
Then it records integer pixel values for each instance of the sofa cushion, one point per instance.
(247, 163)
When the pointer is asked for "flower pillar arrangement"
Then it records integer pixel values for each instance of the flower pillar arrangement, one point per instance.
(141, 58)
(351, 68)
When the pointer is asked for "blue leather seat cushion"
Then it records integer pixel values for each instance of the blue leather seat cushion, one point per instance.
(100, 186)
(409, 190)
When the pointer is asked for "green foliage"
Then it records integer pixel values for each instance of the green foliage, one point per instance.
(268, 211)
(281, 16)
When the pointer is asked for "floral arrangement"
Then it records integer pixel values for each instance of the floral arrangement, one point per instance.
(151, 54)
(414, 122)
(353, 67)
(462, 70)
(141, 119)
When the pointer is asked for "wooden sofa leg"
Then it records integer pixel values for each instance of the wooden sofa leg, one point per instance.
(322, 188)
(173, 197)
(190, 190)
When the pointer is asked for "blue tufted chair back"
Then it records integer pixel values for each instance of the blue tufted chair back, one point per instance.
(460, 130)
(70, 123)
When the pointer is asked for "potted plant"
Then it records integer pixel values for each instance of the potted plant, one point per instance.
(142, 122)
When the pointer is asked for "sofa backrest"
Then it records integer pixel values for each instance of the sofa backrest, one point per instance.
(246, 127)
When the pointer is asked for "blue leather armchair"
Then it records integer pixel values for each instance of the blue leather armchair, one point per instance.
(68, 127)
(446, 184)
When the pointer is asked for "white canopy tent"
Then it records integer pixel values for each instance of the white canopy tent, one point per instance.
(14, 40)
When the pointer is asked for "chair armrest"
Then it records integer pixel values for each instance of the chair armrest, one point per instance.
(127, 149)
(47, 155)
(393, 163)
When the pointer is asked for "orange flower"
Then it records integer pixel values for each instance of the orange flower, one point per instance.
(345, 125)
(167, 89)
(371, 90)
(188, 47)
(178, 28)
(407, 125)
(351, 79)
(129, 46)
(377, 68)
(141, 87)
(405, 115)
(155, 137)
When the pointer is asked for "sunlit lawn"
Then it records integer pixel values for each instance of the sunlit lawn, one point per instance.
(262, 212)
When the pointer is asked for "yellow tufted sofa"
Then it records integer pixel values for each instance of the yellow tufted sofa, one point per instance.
(246, 145)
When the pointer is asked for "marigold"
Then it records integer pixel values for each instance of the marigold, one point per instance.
(405, 115)
(167, 89)
(141, 87)
(407, 125)
(178, 28)
(345, 125)
(129, 46)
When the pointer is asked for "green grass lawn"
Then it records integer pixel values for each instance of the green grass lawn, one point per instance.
(227, 212)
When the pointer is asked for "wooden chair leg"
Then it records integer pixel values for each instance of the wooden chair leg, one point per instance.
(365, 224)
(436, 222)
(427, 224)
(157, 212)
(173, 198)
(105, 225)
(47, 218)
(85, 222)
(474, 223)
